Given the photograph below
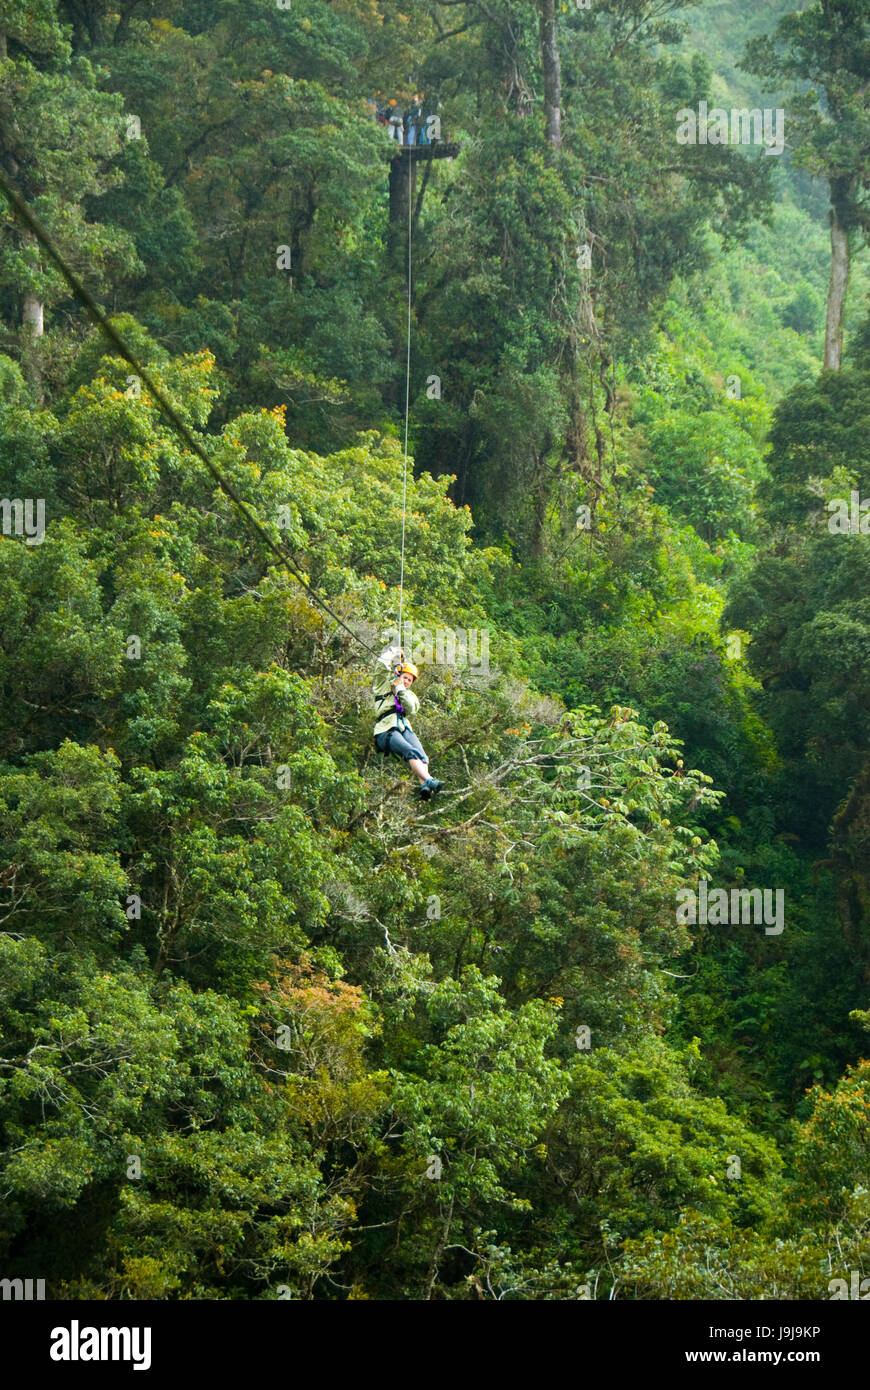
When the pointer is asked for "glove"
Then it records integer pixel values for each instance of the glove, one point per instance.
(392, 655)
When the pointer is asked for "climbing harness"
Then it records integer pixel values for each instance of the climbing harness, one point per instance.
(400, 712)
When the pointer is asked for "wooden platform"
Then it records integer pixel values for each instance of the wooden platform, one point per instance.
(438, 149)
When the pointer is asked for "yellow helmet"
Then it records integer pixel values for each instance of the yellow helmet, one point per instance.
(407, 667)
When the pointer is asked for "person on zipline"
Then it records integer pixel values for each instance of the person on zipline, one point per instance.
(394, 699)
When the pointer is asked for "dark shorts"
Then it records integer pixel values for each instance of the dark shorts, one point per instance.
(402, 745)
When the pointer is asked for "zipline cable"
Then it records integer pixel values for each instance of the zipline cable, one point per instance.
(407, 404)
(31, 221)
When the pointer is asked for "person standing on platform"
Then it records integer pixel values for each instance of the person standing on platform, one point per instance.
(412, 120)
(396, 120)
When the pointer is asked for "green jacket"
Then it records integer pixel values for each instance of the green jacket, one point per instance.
(386, 714)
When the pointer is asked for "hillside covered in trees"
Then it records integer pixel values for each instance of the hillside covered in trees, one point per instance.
(270, 1025)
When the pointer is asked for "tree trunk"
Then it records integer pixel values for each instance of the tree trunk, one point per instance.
(851, 864)
(403, 186)
(836, 285)
(541, 488)
(32, 315)
(2, 43)
(552, 74)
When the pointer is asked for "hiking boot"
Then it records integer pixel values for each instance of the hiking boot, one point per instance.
(425, 789)
(435, 785)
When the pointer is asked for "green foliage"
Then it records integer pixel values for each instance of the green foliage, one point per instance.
(270, 1027)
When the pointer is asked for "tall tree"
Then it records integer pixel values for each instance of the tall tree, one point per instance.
(828, 47)
(552, 68)
(59, 138)
(555, 264)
